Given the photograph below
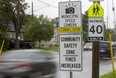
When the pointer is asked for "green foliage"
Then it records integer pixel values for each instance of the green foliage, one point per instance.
(39, 29)
(9, 11)
(85, 37)
(30, 22)
(85, 21)
(85, 26)
(6, 44)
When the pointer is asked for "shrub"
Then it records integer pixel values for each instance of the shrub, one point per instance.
(6, 44)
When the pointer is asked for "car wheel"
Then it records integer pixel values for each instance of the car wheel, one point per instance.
(35, 75)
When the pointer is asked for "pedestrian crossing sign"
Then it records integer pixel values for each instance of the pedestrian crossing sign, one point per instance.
(95, 11)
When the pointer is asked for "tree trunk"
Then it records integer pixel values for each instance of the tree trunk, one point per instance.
(17, 28)
(17, 41)
(39, 43)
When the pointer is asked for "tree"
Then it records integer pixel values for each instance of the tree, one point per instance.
(5, 39)
(85, 37)
(107, 32)
(13, 10)
(85, 21)
(30, 22)
(40, 29)
(85, 26)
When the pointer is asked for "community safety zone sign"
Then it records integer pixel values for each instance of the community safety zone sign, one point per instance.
(71, 52)
(70, 14)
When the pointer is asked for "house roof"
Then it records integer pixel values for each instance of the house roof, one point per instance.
(11, 27)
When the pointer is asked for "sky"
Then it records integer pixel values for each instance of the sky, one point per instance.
(50, 8)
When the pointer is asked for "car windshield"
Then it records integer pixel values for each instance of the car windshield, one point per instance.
(104, 45)
(22, 55)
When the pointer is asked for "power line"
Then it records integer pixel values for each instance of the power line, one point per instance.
(40, 8)
(47, 4)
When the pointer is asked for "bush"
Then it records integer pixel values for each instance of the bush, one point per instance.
(6, 44)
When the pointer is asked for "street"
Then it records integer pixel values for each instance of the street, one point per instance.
(105, 67)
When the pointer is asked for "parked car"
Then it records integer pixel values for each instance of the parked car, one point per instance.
(88, 46)
(27, 64)
(104, 49)
(22, 44)
(25, 45)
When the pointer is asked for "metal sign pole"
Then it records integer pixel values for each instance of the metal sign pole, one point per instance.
(71, 73)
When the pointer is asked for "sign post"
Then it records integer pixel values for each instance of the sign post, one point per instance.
(95, 33)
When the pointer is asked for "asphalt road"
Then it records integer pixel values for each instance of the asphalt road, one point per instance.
(105, 67)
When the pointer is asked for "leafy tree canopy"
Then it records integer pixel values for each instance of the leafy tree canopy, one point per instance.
(39, 28)
(14, 11)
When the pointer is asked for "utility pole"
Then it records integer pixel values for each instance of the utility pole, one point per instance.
(114, 23)
(32, 8)
(108, 22)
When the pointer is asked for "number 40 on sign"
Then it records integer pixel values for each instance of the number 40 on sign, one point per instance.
(96, 29)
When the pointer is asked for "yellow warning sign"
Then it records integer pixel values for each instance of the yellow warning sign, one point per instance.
(95, 11)
(70, 29)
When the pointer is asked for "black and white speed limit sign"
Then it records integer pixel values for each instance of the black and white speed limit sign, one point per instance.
(96, 29)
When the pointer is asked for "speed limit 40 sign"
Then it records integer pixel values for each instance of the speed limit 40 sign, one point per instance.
(96, 29)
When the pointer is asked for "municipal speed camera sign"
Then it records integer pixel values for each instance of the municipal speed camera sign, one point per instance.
(96, 29)
(70, 14)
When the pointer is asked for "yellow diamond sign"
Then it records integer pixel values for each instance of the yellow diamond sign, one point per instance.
(96, 11)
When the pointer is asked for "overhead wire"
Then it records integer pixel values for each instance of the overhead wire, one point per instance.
(40, 8)
(47, 4)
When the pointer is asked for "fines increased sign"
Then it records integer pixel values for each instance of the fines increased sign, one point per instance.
(71, 52)
(70, 14)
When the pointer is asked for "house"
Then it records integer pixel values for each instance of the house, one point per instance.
(11, 31)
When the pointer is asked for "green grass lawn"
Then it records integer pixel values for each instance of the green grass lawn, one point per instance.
(109, 75)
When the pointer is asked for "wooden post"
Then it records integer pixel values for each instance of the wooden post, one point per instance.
(95, 58)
